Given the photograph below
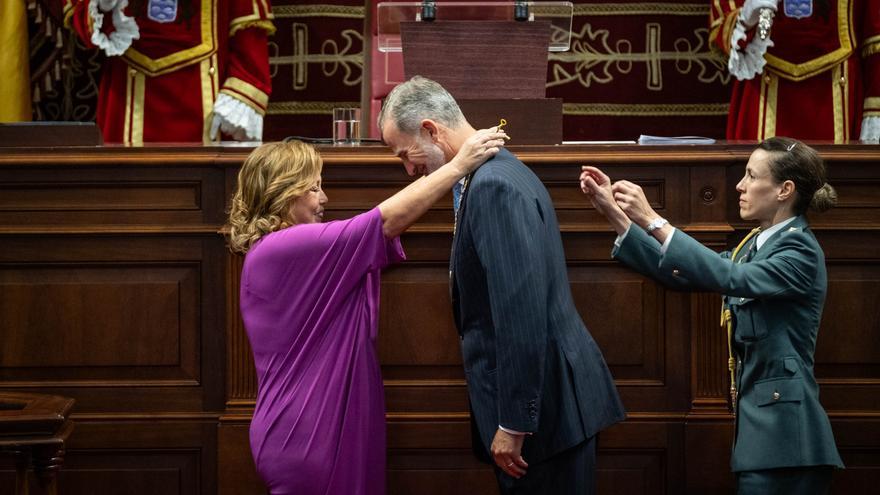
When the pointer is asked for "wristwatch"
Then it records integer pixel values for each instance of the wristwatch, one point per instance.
(656, 224)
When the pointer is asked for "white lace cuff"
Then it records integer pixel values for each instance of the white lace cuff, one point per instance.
(237, 119)
(746, 64)
(125, 29)
(870, 130)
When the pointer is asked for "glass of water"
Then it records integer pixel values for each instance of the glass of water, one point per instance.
(346, 126)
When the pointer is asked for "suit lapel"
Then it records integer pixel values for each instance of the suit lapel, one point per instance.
(459, 223)
(456, 239)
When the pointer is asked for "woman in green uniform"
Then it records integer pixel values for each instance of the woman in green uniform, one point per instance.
(773, 289)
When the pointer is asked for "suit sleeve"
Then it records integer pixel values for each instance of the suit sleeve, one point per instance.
(511, 252)
(76, 18)
(788, 271)
(722, 21)
(732, 29)
(112, 31)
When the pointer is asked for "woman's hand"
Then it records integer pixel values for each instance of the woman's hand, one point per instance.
(478, 148)
(597, 187)
(631, 199)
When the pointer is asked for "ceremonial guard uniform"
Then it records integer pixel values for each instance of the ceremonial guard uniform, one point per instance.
(821, 80)
(178, 70)
(772, 300)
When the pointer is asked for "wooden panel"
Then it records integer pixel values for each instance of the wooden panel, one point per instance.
(87, 196)
(638, 325)
(119, 456)
(858, 441)
(857, 202)
(707, 457)
(849, 339)
(434, 457)
(625, 314)
(118, 196)
(118, 322)
(416, 319)
(237, 475)
(76, 308)
(131, 472)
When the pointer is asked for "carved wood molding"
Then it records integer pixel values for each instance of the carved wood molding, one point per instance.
(241, 378)
(709, 352)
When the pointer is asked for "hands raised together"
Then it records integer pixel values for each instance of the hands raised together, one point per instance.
(621, 202)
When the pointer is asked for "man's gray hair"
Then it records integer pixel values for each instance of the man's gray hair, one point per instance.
(417, 99)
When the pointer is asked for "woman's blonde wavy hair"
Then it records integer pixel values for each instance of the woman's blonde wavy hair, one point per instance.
(272, 176)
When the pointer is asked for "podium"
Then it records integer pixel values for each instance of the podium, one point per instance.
(34, 428)
(494, 66)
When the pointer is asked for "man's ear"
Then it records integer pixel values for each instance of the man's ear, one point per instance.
(786, 191)
(432, 128)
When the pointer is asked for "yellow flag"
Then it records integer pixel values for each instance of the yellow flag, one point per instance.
(15, 85)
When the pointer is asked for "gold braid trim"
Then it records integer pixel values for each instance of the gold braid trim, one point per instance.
(243, 23)
(727, 322)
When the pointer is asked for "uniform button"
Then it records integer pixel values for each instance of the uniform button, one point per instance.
(676, 271)
(211, 71)
(776, 395)
(843, 81)
(132, 72)
(766, 79)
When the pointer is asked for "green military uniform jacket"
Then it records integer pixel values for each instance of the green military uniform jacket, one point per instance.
(776, 300)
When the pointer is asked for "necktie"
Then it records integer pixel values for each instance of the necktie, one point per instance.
(457, 192)
(753, 248)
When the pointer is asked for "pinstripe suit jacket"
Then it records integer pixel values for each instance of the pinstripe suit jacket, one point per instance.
(530, 363)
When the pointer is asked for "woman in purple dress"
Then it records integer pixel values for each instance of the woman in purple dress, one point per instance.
(309, 300)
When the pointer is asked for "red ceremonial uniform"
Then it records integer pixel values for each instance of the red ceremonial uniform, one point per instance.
(164, 86)
(821, 77)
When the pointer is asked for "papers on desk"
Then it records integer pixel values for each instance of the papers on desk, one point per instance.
(645, 139)
(598, 142)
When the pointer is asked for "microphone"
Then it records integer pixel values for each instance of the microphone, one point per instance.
(429, 11)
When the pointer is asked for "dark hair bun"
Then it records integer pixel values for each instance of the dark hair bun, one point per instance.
(824, 199)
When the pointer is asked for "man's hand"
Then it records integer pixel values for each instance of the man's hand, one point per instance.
(506, 449)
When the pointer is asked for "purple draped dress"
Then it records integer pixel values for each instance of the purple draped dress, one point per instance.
(310, 304)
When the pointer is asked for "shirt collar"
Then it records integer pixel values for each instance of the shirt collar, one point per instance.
(766, 234)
